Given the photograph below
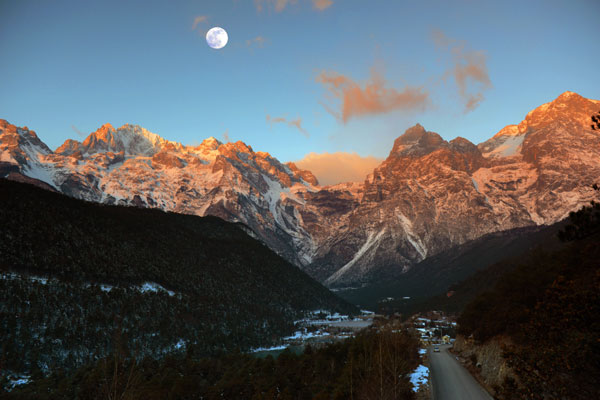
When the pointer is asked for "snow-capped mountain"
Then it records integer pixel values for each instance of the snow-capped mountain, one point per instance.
(428, 195)
(130, 165)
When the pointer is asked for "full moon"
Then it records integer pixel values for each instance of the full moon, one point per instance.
(216, 37)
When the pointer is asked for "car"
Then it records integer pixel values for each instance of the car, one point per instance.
(436, 349)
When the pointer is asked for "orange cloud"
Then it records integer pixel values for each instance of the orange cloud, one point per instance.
(322, 4)
(278, 5)
(226, 136)
(271, 120)
(333, 168)
(297, 123)
(374, 98)
(469, 70)
(259, 41)
(198, 20)
(77, 131)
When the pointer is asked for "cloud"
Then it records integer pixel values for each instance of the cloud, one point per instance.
(469, 70)
(278, 5)
(259, 41)
(199, 20)
(77, 131)
(373, 99)
(226, 136)
(271, 120)
(297, 123)
(322, 4)
(332, 168)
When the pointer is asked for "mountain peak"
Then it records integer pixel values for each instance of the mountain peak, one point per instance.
(210, 143)
(567, 95)
(417, 141)
(463, 145)
(130, 139)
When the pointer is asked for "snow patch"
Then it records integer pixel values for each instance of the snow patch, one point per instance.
(106, 288)
(276, 193)
(39, 172)
(509, 147)
(280, 347)
(475, 185)
(6, 157)
(419, 377)
(372, 239)
(17, 381)
(11, 275)
(411, 237)
(154, 288)
(303, 335)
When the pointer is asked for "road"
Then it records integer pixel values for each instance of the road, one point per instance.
(450, 380)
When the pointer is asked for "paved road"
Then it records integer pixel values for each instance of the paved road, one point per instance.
(450, 380)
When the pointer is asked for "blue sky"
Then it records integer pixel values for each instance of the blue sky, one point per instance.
(75, 65)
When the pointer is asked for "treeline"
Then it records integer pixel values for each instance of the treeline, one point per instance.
(51, 234)
(231, 291)
(372, 365)
(548, 306)
(62, 325)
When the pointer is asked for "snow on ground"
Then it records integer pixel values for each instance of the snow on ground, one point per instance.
(305, 335)
(372, 241)
(145, 287)
(154, 287)
(411, 237)
(315, 324)
(106, 288)
(34, 167)
(41, 173)
(272, 196)
(11, 275)
(475, 185)
(419, 377)
(508, 148)
(39, 279)
(358, 323)
(422, 351)
(16, 381)
(280, 347)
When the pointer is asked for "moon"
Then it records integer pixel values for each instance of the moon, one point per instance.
(217, 37)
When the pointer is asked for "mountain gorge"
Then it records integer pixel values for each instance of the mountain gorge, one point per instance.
(426, 197)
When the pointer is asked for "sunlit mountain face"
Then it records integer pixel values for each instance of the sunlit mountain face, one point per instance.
(186, 187)
(428, 195)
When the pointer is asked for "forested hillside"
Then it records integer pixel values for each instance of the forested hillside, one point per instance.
(374, 365)
(75, 275)
(548, 308)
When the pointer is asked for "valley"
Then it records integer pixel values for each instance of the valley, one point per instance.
(427, 197)
(130, 249)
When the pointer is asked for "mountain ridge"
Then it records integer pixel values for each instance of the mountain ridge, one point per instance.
(427, 196)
